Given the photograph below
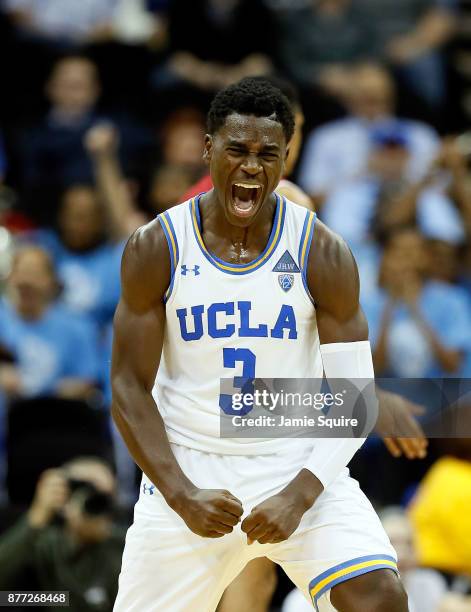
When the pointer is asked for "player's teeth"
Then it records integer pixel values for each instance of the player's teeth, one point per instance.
(246, 186)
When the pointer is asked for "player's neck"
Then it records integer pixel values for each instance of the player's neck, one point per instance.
(217, 228)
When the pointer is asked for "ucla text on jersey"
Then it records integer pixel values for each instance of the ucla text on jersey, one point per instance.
(217, 322)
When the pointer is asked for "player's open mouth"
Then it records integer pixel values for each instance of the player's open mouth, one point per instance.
(244, 198)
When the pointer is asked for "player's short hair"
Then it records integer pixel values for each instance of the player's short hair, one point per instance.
(251, 96)
(286, 87)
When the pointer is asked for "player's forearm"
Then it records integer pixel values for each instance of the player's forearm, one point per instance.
(139, 422)
(347, 365)
(305, 488)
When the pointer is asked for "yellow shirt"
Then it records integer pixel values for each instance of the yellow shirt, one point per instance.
(441, 515)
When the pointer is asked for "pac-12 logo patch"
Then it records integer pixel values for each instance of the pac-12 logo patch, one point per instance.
(286, 281)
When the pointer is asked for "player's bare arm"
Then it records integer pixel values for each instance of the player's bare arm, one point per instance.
(138, 338)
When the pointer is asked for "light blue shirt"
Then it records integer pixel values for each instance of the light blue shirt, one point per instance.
(91, 280)
(339, 151)
(445, 308)
(56, 346)
(349, 211)
(65, 18)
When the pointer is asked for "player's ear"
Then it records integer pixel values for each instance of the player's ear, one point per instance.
(208, 148)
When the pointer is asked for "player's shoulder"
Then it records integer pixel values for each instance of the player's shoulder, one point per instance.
(145, 266)
(330, 245)
(330, 260)
(332, 273)
(146, 242)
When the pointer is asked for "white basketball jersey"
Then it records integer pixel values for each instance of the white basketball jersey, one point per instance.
(229, 320)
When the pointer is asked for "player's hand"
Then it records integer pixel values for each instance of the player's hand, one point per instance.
(274, 520)
(398, 415)
(211, 513)
(51, 495)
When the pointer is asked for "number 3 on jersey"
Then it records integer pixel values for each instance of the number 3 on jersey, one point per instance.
(231, 357)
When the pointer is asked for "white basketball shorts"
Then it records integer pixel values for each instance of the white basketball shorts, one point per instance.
(168, 568)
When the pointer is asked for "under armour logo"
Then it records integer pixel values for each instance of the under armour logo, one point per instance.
(186, 269)
(148, 489)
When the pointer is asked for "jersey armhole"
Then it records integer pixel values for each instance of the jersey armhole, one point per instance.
(170, 235)
(305, 247)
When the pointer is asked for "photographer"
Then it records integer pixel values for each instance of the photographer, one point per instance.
(68, 537)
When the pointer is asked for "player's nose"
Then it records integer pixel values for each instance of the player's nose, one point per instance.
(251, 166)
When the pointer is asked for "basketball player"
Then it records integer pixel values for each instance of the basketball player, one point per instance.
(201, 300)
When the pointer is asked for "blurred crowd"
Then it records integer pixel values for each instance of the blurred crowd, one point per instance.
(102, 121)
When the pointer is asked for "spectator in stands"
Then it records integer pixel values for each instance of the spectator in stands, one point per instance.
(385, 198)
(87, 262)
(53, 153)
(182, 136)
(168, 185)
(418, 328)
(308, 53)
(54, 354)
(440, 514)
(448, 175)
(451, 170)
(339, 151)
(82, 554)
(411, 34)
(207, 50)
(181, 168)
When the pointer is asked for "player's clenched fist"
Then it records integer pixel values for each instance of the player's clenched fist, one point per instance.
(274, 520)
(211, 513)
